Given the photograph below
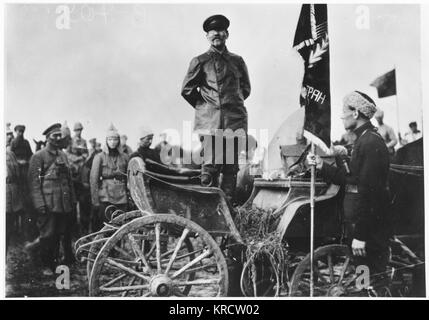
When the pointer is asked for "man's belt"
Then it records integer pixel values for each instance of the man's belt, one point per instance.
(351, 188)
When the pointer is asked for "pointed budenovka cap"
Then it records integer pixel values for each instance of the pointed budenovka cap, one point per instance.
(112, 131)
(78, 126)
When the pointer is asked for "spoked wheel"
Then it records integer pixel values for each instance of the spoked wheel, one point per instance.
(107, 232)
(333, 273)
(160, 255)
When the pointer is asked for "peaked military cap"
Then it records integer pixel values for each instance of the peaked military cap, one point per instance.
(53, 128)
(20, 127)
(216, 22)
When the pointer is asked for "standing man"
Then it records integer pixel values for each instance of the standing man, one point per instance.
(108, 179)
(144, 150)
(14, 203)
(22, 150)
(366, 216)
(216, 85)
(92, 143)
(9, 136)
(21, 147)
(77, 153)
(386, 132)
(53, 197)
(412, 135)
(124, 147)
(79, 143)
(86, 206)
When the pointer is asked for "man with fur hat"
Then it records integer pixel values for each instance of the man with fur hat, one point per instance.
(49, 178)
(216, 85)
(144, 150)
(108, 179)
(366, 216)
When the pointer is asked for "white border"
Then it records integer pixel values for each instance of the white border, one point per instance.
(425, 104)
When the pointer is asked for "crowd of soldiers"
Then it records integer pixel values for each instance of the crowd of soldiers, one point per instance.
(62, 190)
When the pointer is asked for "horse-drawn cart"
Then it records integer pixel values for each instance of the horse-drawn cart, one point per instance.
(187, 240)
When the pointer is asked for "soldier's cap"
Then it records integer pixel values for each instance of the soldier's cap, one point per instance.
(56, 127)
(360, 102)
(145, 131)
(216, 22)
(112, 131)
(77, 126)
(19, 127)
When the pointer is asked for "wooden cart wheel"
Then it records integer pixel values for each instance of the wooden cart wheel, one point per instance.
(96, 246)
(334, 273)
(127, 266)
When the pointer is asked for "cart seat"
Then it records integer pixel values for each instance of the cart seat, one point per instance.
(172, 174)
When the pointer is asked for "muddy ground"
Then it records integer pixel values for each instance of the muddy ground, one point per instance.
(24, 276)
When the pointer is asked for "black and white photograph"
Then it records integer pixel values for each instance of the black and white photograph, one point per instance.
(216, 150)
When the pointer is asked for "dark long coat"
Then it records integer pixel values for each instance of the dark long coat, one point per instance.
(216, 85)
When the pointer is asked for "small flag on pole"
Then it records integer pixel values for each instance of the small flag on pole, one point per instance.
(312, 42)
(386, 84)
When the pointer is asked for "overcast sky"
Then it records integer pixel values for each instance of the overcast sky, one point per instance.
(127, 66)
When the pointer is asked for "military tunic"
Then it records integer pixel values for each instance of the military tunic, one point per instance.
(79, 143)
(108, 178)
(51, 187)
(369, 168)
(21, 148)
(50, 181)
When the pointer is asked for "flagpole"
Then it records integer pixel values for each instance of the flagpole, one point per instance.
(312, 192)
(397, 104)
